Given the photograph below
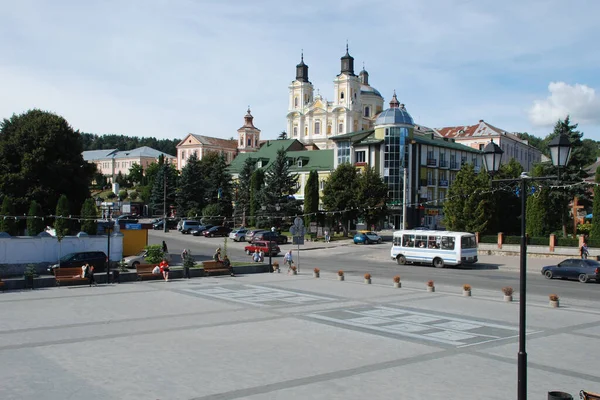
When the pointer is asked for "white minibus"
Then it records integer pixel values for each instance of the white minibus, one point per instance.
(439, 248)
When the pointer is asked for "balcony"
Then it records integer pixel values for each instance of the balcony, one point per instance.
(443, 182)
(431, 162)
(443, 164)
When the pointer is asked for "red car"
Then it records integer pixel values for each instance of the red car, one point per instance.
(264, 246)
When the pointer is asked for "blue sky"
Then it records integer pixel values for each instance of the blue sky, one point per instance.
(165, 68)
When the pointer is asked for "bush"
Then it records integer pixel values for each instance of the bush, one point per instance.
(567, 242)
(155, 254)
(367, 276)
(316, 270)
(341, 273)
(397, 279)
(488, 239)
(538, 241)
(508, 291)
(122, 194)
(553, 297)
(466, 287)
(584, 229)
(430, 283)
(512, 239)
(189, 262)
(593, 242)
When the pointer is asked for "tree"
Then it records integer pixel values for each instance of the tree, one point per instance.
(35, 222)
(595, 233)
(466, 207)
(212, 214)
(89, 213)
(136, 174)
(121, 180)
(217, 182)
(281, 185)
(62, 225)
(282, 136)
(311, 197)
(190, 188)
(372, 193)
(340, 194)
(40, 157)
(157, 195)
(242, 191)
(504, 204)
(257, 183)
(537, 214)
(123, 194)
(8, 223)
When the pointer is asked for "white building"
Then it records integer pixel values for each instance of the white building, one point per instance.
(112, 161)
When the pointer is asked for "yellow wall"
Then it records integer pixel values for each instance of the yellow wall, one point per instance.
(134, 241)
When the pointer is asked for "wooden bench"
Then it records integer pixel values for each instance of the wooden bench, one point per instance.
(214, 267)
(144, 271)
(1, 285)
(588, 395)
(68, 274)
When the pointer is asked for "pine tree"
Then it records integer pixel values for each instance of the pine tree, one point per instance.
(537, 214)
(257, 183)
(372, 196)
(280, 186)
(595, 232)
(311, 198)
(218, 182)
(242, 191)
(62, 226)
(157, 196)
(89, 212)
(190, 191)
(35, 223)
(465, 209)
(340, 194)
(8, 223)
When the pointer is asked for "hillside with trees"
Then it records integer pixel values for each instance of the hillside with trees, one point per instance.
(92, 141)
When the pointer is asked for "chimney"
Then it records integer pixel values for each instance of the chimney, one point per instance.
(480, 121)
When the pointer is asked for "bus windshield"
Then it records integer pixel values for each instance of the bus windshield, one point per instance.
(468, 242)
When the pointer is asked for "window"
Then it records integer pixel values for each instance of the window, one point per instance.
(343, 152)
(421, 241)
(322, 184)
(434, 242)
(306, 131)
(447, 243)
(341, 128)
(367, 111)
(296, 102)
(249, 141)
(329, 129)
(468, 242)
(299, 164)
(295, 131)
(360, 156)
(317, 127)
(341, 95)
(408, 240)
(306, 99)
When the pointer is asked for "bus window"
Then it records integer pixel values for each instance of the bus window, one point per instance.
(408, 240)
(421, 241)
(397, 241)
(468, 242)
(433, 243)
(447, 243)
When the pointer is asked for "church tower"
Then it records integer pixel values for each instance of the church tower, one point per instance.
(347, 96)
(301, 93)
(249, 135)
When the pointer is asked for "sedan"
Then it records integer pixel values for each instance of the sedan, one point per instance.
(140, 258)
(367, 237)
(199, 231)
(238, 235)
(217, 231)
(574, 268)
(264, 247)
(250, 233)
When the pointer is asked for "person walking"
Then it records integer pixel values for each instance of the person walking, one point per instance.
(289, 260)
(164, 247)
(326, 236)
(584, 251)
(164, 268)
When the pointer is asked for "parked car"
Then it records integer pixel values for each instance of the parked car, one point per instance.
(94, 258)
(238, 235)
(250, 234)
(127, 219)
(367, 238)
(264, 246)
(140, 258)
(198, 231)
(188, 226)
(574, 268)
(171, 224)
(268, 235)
(217, 231)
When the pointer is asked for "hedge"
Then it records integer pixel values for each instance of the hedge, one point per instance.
(488, 239)
(567, 242)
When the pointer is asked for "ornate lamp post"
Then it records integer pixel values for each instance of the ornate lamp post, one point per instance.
(560, 149)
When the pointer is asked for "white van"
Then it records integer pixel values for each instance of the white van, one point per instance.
(188, 226)
(439, 248)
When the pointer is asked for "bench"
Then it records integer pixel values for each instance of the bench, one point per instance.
(216, 267)
(68, 274)
(144, 271)
(589, 395)
(1, 285)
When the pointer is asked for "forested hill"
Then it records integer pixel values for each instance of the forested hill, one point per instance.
(92, 141)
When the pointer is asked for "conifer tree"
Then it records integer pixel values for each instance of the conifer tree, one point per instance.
(89, 212)
(595, 233)
(280, 186)
(311, 197)
(35, 225)
(8, 223)
(340, 195)
(157, 196)
(257, 182)
(465, 209)
(242, 191)
(62, 226)
(190, 190)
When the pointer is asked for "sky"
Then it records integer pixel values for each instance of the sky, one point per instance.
(165, 68)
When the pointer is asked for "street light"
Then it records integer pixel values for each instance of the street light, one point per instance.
(560, 149)
(264, 208)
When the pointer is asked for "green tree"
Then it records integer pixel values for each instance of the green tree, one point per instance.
(340, 194)
(89, 213)
(281, 185)
(41, 157)
(537, 214)
(505, 205)
(35, 221)
(257, 183)
(218, 182)
(8, 222)
(121, 180)
(595, 233)
(311, 198)
(467, 205)
(212, 214)
(242, 191)
(62, 226)
(372, 197)
(136, 174)
(190, 190)
(123, 194)
(157, 195)
(282, 136)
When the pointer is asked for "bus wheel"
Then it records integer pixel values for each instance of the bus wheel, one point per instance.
(401, 260)
(438, 262)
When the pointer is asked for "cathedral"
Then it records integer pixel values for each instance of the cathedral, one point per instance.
(313, 120)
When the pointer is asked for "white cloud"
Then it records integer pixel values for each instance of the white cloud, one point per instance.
(578, 101)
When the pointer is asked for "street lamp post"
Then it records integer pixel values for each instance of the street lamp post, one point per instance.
(108, 226)
(560, 149)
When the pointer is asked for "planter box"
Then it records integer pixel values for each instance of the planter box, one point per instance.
(431, 289)
(554, 303)
(467, 293)
(508, 299)
(368, 281)
(340, 277)
(397, 285)
(316, 274)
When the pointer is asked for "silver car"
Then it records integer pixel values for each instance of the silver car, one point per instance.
(140, 258)
(238, 235)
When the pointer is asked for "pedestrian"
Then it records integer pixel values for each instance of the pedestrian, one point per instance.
(256, 256)
(584, 251)
(184, 254)
(164, 267)
(261, 255)
(217, 255)
(288, 259)
(326, 236)
(227, 264)
(164, 247)
(88, 272)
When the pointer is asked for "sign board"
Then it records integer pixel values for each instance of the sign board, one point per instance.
(133, 226)
(298, 240)
(298, 222)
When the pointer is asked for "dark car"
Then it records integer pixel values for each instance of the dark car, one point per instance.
(127, 219)
(217, 231)
(159, 224)
(95, 258)
(198, 230)
(574, 268)
(250, 234)
(270, 236)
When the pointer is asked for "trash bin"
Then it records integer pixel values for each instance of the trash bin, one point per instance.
(559, 396)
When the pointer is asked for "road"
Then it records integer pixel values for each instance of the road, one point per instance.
(491, 273)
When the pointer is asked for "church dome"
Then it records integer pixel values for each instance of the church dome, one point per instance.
(395, 115)
(366, 89)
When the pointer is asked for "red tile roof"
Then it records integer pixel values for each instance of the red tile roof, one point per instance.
(482, 129)
(216, 142)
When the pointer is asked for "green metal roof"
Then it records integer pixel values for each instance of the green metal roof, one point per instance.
(353, 136)
(319, 160)
(443, 143)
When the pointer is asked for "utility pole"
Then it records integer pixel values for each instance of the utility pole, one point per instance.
(404, 199)
(165, 228)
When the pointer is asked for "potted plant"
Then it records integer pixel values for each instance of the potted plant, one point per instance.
(316, 272)
(554, 300)
(368, 278)
(29, 274)
(397, 283)
(508, 292)
(276, 267)
(294, 270)
(430, 286)
(466, 290)
(340, 275)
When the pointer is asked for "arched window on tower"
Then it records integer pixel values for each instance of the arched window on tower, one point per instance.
(306, 98)
(341, 95)
(341, 127)
(329, 129)
(306, 131)
(317, 127)
(296, 102)
(295, 131)
(367, 111)
(250, 141)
